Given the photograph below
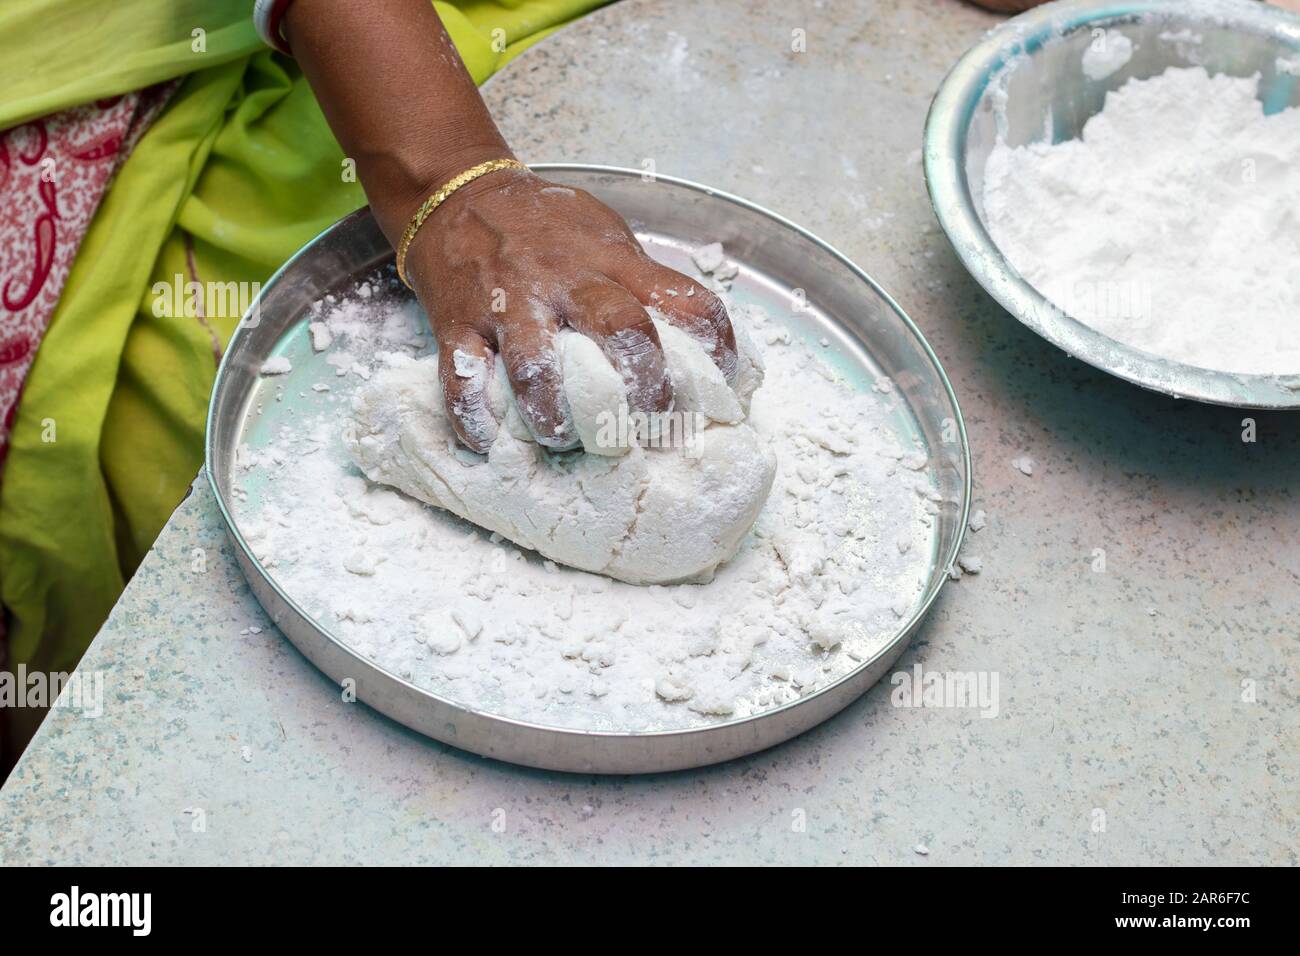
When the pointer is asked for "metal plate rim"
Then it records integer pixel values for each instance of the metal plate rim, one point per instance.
(894, 647)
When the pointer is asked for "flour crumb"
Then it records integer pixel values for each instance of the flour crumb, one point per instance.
(278, 365)
(321, 337)
(1024, 464)
(343, 362)
(709, 257)
(444, 644)
(471, 626)
(360, 563)
(668, 689)
(1106, 54)
(716, 707)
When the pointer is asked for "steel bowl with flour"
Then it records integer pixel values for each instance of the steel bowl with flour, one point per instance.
(1023, 83)
(836, 307)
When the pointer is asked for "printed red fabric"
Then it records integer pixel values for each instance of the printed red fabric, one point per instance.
(53, 173)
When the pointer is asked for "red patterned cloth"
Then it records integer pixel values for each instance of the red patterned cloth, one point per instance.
(53, 173)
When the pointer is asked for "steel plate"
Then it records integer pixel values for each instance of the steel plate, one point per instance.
(779, 263)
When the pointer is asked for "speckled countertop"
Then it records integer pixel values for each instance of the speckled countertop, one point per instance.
(1148, 711)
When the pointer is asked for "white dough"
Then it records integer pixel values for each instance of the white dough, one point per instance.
(592, 386)
(645, 515)
(598, 397)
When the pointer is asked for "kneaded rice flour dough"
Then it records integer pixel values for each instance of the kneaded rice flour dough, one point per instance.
(838, 556)
(1172, 224)
(671, 511)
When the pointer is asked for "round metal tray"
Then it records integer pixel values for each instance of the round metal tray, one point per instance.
(1023, 82)
(780, 263)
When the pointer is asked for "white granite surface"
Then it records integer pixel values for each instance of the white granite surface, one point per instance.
(1148, 712)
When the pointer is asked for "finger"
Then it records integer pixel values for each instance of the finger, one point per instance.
(465, 367)
(606, 312)
(689, 306)
(528, 348)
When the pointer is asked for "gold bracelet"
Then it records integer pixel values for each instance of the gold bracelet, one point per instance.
(438, 198)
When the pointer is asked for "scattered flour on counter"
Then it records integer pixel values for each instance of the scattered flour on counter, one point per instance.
(1172, 224)
(818, 586)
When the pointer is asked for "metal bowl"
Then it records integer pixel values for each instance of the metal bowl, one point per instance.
(1023, 82)
(778, 260)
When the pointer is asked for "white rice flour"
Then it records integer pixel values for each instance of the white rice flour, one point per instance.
(1172, 224)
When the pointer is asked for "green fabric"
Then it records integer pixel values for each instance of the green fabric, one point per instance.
(239, 172)
(60, 53)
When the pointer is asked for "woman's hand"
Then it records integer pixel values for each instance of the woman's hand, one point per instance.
(507, 260)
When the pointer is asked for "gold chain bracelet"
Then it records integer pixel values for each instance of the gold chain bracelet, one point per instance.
(437, 199)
